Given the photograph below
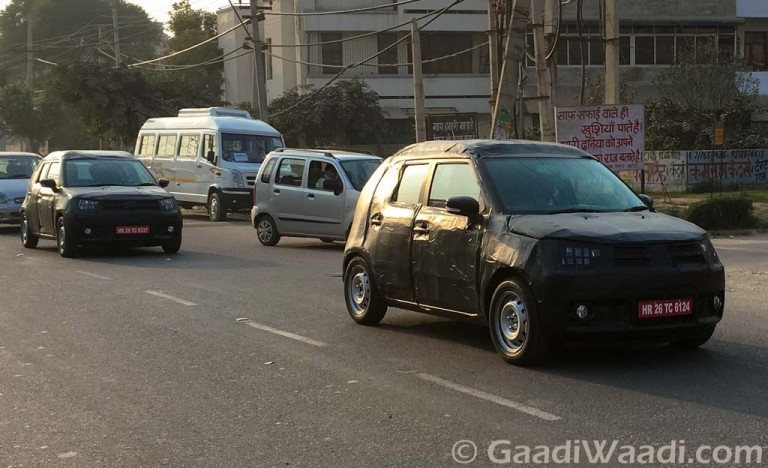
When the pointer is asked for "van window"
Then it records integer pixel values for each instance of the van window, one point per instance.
(189, 146)
(290, 172)
(409, 190)
(266, 174)
(453, 180)
(166, 146)
(147, 145)
(247, 148)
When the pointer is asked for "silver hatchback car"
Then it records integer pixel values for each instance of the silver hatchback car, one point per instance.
(309, 193)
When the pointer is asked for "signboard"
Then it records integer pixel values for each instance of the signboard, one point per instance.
(615, 134)
(452, 127)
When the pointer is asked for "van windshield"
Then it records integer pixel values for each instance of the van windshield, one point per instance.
(244, 148)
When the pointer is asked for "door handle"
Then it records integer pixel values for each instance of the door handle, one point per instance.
(421, 228)
(277, 191)
(376, 219)
(311, 196)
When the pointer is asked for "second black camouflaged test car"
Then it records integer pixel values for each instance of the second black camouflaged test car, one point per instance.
(105, 197)
(539, 241)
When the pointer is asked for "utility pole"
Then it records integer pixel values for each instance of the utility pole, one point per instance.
(117, 34)
(514, 54)
(418, 84)
(611, 28)
(30, 51)
(259, 76)
(543, 77)
(493, 50)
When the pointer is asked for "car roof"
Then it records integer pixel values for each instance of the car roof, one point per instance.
(342, 155)
(18, 153)
(87, 154)
(490, 148)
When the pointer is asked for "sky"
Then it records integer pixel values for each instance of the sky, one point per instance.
(158, 9)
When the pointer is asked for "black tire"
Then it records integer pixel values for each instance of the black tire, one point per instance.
(695, 340)
(28, 239)
(365, 303)
(217, 212)
(266, 231)
(65, 243)
(173, 246)
(517, 331)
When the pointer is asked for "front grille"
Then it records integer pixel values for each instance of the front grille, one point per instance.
(630, 255)
(687, 253)
(130, 205)
(251, 180)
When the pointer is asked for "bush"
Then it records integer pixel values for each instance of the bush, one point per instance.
(723, 213)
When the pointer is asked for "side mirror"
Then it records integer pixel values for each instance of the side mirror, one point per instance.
(463, 206)
(647, 200)
(163, 183)
(50, 183)
(211, 157)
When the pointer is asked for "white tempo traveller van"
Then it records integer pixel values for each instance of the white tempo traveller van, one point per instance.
(210, 156)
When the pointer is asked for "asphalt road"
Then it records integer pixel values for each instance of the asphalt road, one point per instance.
(233, 354)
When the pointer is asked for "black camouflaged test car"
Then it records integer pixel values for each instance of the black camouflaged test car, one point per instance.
(539, 241)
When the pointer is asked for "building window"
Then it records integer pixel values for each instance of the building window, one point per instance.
(435, 45)
(383, 41)
(332, 54)
(755, 47)
(665, 50)
(644, 50)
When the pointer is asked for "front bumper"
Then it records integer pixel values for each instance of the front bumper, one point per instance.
(612, 300)
(100, 228)
(10, 213)
(237, 199)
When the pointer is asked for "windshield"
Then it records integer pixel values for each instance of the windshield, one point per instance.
(557, 185)
(17, 167)
(107, 171)
(248, 148)
(360, 170)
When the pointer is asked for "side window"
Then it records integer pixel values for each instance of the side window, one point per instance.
(54, 171)
(209, 148)
(147, 145)
(290, 172)
(189, 146)
(453, 180)
(166, 146)
(322, 176)
(266, 174)
(41, 172)
(411, 183)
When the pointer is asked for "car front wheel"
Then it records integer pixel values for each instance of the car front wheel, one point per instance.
(364, 301)
(516, 329)
(28, 239)
(66, 244)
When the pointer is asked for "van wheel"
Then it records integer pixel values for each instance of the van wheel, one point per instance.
(28, 239)
(216, 210)
(266, 231)
(516, 329)
(364, 302)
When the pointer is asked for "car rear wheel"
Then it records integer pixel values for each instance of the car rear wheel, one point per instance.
(696, 340)
(216, 210)
(28, 239)
(266, 231)
(516, 329)
(364, 301)
(65, 243)
(173, 246)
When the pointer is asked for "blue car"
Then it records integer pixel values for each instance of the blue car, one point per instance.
(15, 170)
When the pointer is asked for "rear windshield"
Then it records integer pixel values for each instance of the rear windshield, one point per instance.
(360, 170)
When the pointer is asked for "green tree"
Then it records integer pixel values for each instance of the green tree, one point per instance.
(69, 31)
(20, 117)
(700, 89)
(342, 114)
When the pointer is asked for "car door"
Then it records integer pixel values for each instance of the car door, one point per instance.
(446, 246)
(186, 164)
(46, 199)
(286, 195)
(390, 220)
(33, 216)
(323, 209)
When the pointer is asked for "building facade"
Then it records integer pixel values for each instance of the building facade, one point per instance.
(312, 48)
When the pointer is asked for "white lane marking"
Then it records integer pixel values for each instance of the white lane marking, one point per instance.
(290, 335)
(93, 274)
(171, 298)
(492, 398)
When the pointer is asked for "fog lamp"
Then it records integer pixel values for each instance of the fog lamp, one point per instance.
(170, 229)
(717, 303)
(88, 231)
(582, 311)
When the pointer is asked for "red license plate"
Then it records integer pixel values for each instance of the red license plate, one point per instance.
(665, 308)
(132, 229)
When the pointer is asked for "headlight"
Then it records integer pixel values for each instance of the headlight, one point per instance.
(237, 179)
(87, 205)
(3, 198)
(708, 250)
(573, 256)
(168, 204)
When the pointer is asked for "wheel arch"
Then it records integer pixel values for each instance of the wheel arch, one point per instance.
(500, 275)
